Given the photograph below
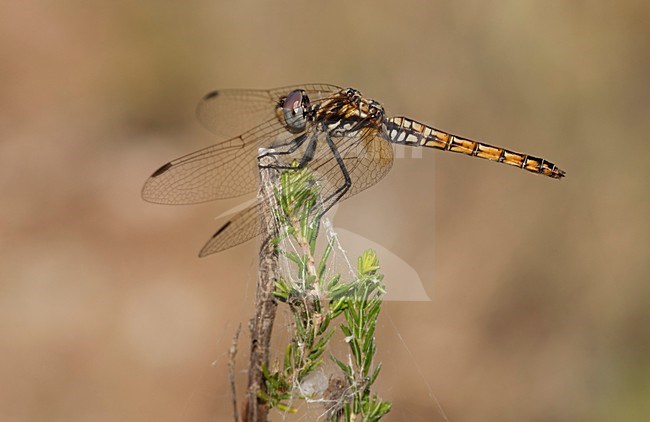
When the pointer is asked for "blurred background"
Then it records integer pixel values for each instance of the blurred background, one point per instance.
(539, 288)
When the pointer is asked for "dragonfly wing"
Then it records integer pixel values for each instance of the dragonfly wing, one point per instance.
(243, 226)
(229, 112)
(225, 170)
(367, 159)
(366, 156)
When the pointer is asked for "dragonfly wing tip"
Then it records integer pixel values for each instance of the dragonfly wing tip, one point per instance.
(162, 169)
(211, 95)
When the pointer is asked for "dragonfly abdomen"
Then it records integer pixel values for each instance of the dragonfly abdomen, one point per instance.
(404, 131)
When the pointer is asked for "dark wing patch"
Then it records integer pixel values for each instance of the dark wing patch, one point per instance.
(161, 170)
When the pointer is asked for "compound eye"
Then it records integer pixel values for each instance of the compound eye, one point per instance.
(294, 111)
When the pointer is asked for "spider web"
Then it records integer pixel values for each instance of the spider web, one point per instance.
(325, 390)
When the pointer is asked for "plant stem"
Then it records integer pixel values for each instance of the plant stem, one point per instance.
(261, 325)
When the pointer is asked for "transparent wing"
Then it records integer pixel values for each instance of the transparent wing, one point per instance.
(225, 170)
(243, 226)
(229, 112)
(367, 159)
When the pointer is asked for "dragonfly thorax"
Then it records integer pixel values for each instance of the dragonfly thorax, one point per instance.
(348, 112)
(361, 107)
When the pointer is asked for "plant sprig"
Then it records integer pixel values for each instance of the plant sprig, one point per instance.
(315, 299)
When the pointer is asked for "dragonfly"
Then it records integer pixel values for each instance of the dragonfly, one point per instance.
(344, 137)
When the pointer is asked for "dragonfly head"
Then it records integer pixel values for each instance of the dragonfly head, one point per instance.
(294, 110)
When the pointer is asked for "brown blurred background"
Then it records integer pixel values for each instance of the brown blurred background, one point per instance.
(539, 288)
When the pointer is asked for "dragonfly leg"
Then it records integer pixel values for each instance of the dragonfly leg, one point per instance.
(297, 143)
(341, 190)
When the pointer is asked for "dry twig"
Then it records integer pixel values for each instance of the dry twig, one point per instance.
(261, 325)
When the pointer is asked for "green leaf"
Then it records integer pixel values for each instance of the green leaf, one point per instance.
(346, 330)
(333, 281)
(311, 366)
(352, 315)
(309, 281)
(263, 396)
(323, 340)
(356, 350)
(373, 313)
(369, 336)
(287, 356)
(367, 262)
(323, 262)
(336, 307)
(345, 368)
(375, 374)
(325, 324)
(368, 354)
(286, 408)
(295, 258)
